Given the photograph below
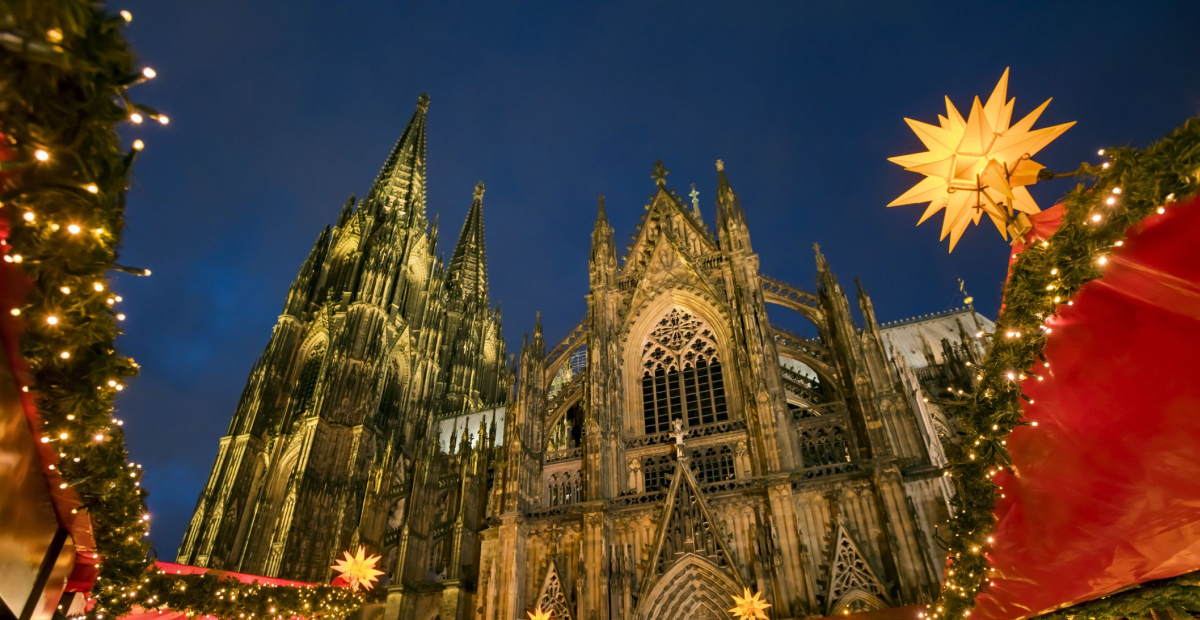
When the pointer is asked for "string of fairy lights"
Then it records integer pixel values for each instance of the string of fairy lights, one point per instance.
(65, 199)
(1129, 186)
(66, 202)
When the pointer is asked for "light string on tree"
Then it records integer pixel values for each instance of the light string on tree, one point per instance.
(66, 76)
(1127, 188)
(64, 173)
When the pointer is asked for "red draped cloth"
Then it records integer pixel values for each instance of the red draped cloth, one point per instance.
(1107, 486)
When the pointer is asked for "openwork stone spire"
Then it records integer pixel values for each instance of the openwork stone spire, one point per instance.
(400, 186)
(467, 276)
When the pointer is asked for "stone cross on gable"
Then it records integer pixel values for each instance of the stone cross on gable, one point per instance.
(660, 174)
(695, 198)
(678, 433)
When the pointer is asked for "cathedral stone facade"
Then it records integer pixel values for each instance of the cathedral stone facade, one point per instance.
(675, 448)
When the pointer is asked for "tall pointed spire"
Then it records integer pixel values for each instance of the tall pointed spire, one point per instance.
(467, 274)
(400, 186)
(604, 247)
(731, 219)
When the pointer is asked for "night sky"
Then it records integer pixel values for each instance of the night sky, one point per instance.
(280, 110)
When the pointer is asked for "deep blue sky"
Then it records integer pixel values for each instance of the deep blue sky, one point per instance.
(279, 110)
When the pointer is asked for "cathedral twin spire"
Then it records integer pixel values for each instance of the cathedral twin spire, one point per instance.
(467, 275)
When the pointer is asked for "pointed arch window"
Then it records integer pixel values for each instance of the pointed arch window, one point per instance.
(682, 375)
(306, 383)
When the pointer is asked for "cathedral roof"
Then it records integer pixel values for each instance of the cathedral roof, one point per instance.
(917, 337)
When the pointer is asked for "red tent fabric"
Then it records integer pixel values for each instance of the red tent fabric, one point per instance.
(1107, 488)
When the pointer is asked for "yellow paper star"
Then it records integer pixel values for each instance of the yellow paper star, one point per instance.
(539, 614)
(978, 165)
(750, 606)
(358, 570)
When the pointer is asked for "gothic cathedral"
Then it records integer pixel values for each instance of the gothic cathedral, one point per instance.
(674, 449)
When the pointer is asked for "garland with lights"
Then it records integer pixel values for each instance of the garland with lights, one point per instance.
(1126, 189)
(64, 72)
(1178, 597)
(226, 598)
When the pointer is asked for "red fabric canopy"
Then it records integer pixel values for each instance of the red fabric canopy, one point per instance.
(1107, 486)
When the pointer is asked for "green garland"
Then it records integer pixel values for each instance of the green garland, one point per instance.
(226, 598)
(64, 71)
(1179, 597)
(1044, 276)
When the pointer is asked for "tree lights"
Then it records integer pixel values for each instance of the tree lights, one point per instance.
(1128, 187)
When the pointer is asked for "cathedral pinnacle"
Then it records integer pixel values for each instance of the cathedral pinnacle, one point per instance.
(467, 274)
(660, 174)
(400, 186)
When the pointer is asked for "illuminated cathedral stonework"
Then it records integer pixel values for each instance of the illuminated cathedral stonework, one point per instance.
(675, 448)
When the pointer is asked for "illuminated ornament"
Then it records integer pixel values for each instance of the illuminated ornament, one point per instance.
(539, 614)
(750, 606)
(358, 570)
(978, 165)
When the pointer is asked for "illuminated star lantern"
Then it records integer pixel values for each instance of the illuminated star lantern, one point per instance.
(539, 614)
(750, 606)
(358, 569)
(978, 165)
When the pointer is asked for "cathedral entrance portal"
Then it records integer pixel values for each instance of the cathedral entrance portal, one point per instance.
(691, 589)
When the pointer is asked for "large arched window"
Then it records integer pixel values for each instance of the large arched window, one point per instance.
(306, 382)
(682, 374)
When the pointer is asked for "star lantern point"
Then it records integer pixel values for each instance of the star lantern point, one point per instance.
(978, 165)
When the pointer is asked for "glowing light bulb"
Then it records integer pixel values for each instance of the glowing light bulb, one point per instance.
(1102, 260)
(1100, 152)
(149, 73)
(65, 355)
(1116, 190)
(15, 312)
(1110, 201)
(127, 16)
(98, 287)
(1096, 217)
(93, 188)
(162, 118)
(1104, 165)
(136, 118)
(41, 155)
(73, 229)
(52, 320)
(66, 290)
(121, 316)
(1161, 210)
(138, 145)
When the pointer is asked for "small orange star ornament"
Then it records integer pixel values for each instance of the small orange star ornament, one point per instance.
(539, 614)
(358, 569)
(750, 606)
